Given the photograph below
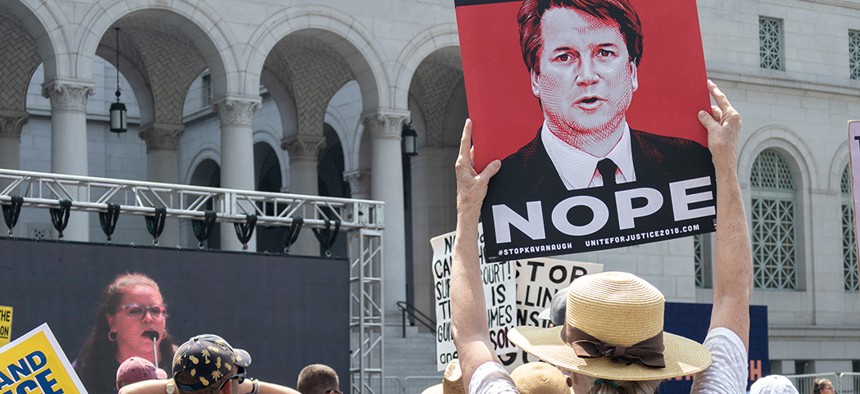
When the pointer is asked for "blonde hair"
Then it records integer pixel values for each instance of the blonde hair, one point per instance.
(601, 386)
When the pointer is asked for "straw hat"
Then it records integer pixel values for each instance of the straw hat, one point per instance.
(540, 378)
(613, 329)
(452, 381)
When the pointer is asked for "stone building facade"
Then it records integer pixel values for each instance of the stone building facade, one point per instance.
(310, 97)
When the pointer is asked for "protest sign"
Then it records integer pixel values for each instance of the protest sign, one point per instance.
(599, 91)
(5, 324)
(36, 363)
(499, 296)
(854, 154)
(538, 280)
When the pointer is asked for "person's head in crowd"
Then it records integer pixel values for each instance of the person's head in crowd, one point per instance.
(318, 379)
(207, 364)
(773, 384)
(822, 386)
(602, 42)
(130, 314)
(137, 369)
(540, 378)
(612, 309)
(557, 309)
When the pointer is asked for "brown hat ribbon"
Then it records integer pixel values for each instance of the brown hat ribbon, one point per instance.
(648, 352)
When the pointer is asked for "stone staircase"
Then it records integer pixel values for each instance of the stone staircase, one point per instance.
(409, 362)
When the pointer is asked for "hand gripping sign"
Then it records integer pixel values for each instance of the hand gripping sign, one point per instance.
(35, 363)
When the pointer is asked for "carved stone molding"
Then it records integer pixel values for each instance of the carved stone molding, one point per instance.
(359, 183)
(237, 112)
(386, 124)
(303, 147)
(11, 123)
(160, 136)
(68, 96)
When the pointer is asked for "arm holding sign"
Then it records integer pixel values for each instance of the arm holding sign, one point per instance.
(728, 336)
(732, 255)
(468, 309)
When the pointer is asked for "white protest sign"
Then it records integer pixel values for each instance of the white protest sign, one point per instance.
(538, 280)
(854, 154)
(499, 296)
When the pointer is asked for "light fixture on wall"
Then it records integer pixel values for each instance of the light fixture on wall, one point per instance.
(410, 140)
(118, 120)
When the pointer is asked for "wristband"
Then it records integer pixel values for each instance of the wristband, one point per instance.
(255, 386)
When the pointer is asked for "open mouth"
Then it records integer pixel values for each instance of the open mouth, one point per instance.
(590, 102)
(150, 334)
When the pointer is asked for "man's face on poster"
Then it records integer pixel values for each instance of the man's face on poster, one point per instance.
(587, 79)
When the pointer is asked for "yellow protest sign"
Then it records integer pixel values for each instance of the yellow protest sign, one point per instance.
(35, 363)
(5, 324)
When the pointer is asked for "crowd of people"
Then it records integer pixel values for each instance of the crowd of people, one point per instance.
(607, 335)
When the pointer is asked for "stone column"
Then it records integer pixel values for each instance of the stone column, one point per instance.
(359, 183)
(237, 157)
(69, 141)
(11, 124)
(304, 156)
(386, 184)
(161, 166)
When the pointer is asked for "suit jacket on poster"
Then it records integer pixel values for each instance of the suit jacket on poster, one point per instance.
(529, 173)
(529, 176)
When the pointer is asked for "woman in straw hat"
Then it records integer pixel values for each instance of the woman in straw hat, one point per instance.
(612, 339)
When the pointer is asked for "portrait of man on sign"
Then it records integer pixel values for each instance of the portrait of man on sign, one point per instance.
(588, 177)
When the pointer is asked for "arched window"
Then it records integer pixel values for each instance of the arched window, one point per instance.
(773, 218)
(849, 243)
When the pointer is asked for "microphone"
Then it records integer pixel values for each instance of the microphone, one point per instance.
(154, 336)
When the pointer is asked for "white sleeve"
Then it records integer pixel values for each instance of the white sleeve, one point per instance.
(729, 370)
(491, 378)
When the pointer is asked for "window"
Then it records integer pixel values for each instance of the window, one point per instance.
(802, 367)
(773, 227)
(854, 53)
(770, 43)
(849, 243)
(207, 90)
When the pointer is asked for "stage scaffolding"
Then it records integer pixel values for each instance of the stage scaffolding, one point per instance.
(363, 220)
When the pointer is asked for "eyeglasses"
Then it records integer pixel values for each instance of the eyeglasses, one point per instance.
(239, 375)
(137, 311)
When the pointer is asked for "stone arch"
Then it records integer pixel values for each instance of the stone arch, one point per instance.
(195, 18)
(344, 33)
(798, 157)
(208, 151)
(284, 101)
(136, 80)
(437, 89)
(43, 23)
(268, 138)
(837, 166)
(205, 171)
(787, 141)
(415, 52)
(332, 165)
(345, 118)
